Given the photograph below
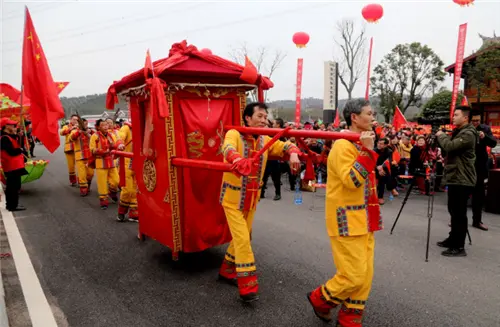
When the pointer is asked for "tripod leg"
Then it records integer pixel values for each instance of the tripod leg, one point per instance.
(468, 234)
(403, 204)
(430, 211)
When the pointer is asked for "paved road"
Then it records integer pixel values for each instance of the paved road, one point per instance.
(95, 273)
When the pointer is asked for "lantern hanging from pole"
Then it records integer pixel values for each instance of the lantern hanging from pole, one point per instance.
(206, 51)
(372, 12)
(300, 39)
(463, 3)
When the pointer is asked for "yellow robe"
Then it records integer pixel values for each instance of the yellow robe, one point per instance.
(347, 190)
(105, 169)
(128, 195)
(231, 195)
(69, 153)
(235, 190)
(82, 154)
(348, 224)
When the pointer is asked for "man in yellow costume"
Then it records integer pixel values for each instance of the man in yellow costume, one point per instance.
(240, 194)
(101, 144)
(352, 215)
(81, 146)
(68, 148)
(128, 195)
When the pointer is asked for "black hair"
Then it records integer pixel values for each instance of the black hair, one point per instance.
(280, 122)
(250, 109)
(474, 113)
(74, 115)
(354, 106)
(84, 120)
(99, 122)
(385, 140)
(466, 110)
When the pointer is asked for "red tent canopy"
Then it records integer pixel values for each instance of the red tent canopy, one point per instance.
(185, 64)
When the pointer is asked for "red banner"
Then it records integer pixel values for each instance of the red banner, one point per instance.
(462, 32)
(300, 63)
(367, 92)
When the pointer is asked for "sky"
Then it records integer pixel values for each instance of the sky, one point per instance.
(93, 43)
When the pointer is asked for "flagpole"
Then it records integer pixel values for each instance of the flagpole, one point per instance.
(21, 117)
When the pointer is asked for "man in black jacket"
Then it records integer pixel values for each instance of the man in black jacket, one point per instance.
(12, 159)
(383, 167)
(486, 139)
(460, 177)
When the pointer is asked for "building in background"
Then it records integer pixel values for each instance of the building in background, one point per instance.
(330, 97)
(489, 98)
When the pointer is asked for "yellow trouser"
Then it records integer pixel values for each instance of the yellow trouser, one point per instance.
(353, 256)
(128, 196)
(70, 160)
(105, 176)
(85, 173)
(240, 249)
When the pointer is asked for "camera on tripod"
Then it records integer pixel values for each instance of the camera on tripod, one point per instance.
(436, 120)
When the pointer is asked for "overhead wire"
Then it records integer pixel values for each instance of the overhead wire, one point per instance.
(50, 6)
(107, 26)
(205, 28)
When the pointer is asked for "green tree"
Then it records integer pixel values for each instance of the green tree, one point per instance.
(405, 75)
(483, 74)
(439, 104)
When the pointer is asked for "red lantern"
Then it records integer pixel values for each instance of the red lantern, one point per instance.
(372, 13)
(300, 39)
(206, 51)
(463, 3)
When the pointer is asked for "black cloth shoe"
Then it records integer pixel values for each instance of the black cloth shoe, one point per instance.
(480, 226)
(19, 208)
(277, 197)
(249, 298)
(230, 281)
(444, 244)
(454, 253)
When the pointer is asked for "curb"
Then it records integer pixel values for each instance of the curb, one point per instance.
(4, 320)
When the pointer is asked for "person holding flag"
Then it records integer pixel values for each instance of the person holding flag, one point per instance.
(12, 159)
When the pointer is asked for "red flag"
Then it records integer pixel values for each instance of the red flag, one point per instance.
(399, 119)
(336, 122)
(396, 157)
(249, 73)
(46, 108)
(60, 86)
(464, 101)
(459, 60)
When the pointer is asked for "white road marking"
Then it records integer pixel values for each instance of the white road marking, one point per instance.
(41, 314)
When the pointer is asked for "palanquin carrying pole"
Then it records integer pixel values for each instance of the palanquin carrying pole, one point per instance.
(225, 167)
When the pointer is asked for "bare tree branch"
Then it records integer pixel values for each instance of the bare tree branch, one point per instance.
(352, 61)
(265, 63)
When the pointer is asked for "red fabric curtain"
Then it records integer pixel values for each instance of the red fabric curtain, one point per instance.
(202, 136)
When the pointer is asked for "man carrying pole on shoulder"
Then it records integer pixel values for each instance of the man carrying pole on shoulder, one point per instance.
(101, 145)
(81, 145)
(352, 215)
(69, 151)
(128, 195)
(240, 194)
